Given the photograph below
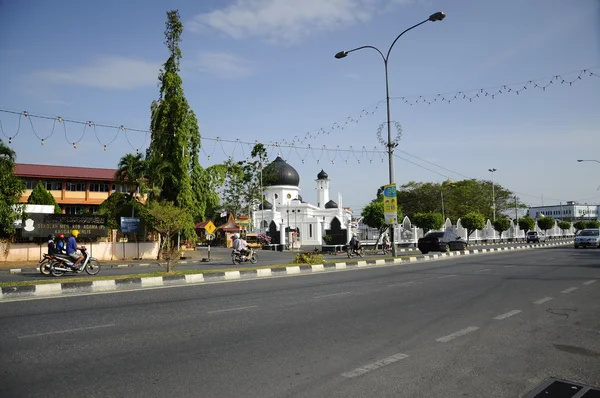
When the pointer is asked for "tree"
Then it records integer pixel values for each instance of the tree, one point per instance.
(471, 222)
(11, 189)
(592, 224)
(172, 156)
(501, 224)
(40, 196)
(373, 214)
(131, 170)
(579, 225)
(564, 225)
(167, 219)
(428, 221)
(114, 207)
(546, 223)
(526, 224)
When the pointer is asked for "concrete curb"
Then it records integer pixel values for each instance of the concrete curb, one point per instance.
(53, 289)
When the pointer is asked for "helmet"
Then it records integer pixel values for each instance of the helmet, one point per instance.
(75, 232)
(61, 236)
(51, 237)
(237, 236)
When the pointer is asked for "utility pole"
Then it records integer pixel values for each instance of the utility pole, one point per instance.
(516, 212)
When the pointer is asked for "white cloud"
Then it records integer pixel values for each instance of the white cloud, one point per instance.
(286, 20)
(222, 64)
(110, 72)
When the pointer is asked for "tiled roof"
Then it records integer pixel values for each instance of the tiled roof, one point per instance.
(66, 172)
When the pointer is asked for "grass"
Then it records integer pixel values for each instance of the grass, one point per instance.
(158, 273)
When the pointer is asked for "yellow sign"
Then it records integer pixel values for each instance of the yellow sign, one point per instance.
(210, 227)
(390, 206)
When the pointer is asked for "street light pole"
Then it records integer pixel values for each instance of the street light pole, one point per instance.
(438, 16)
(588, 160)
(493, 192)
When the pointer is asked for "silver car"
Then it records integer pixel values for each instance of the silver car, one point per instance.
(589, 237)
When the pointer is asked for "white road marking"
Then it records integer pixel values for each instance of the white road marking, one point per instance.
(446, 276)
(483, 270)
(454, 335)
(589, 282)
(66, 331)
(232, 309)
(402, 284)
(331, 295)
(542, 300)
(507, 314)
(375, 365)
(509, 266)
(569, 290)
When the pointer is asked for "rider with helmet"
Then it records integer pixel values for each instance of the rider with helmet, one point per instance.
(61, 245)
(240, 245)
(52, 250)
(74, 250)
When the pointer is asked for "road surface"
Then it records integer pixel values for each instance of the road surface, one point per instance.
(492, 326)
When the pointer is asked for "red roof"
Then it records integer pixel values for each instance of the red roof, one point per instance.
(201, 224)
(64, 172)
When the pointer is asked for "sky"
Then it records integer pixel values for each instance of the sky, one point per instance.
(264, 70)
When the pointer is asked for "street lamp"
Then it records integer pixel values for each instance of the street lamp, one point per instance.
(493, 192)
(438, 16)
(588, 160)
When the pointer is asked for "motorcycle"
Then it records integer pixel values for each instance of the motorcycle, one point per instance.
(45, 264)
(237, 257)
(62, 264)
(354, 252)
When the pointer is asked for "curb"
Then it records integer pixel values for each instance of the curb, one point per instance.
(53, 289)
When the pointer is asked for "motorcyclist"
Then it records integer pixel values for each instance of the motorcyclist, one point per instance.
(73, 249)
(61, 245)
(354, 243)
(240, 245)
(52, 250)
(386, 242)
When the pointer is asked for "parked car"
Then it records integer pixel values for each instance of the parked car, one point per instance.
(589, 237)
(533, 236)
(441, 242)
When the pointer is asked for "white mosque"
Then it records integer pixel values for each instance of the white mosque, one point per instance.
(287, 218)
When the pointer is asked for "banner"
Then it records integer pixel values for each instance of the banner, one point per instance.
(130, 225)
(390, 204)
(42, 225)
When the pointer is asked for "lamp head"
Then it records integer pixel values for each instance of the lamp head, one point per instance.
(438, 16)
(341, 54)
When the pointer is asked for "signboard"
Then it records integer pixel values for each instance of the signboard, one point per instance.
(210, 227)
(130, 225)
(390, 206)
(210, 237)
(42, 225)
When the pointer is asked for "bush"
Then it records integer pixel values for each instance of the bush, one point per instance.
(328, 239)
(308, 258)
(592, 224)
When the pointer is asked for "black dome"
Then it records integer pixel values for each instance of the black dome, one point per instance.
(265, 206)
(279, 172)
(300, 199)
(331, 205)
(322, 175)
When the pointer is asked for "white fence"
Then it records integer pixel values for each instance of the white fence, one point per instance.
(103, 251)
(406, 233)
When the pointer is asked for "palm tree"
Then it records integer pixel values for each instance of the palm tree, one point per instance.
(131, 170)
(7, 158)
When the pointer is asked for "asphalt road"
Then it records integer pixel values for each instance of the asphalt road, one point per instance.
(480, 326)
(221, 260)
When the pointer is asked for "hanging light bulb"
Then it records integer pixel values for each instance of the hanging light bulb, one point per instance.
(25, 114)
(122, 128)
(74, 146)
(90, 124)
(104, 148)
(42, 141)
(209, 158)
(10, 140)
(59, 119)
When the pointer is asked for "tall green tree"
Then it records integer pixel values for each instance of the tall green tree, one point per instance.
(167, 219)
(40, 196)
(471, 222)
(11, 189)
(526, 224)
(501, 224)
(428, 221)
(131, 170)
(172, 157)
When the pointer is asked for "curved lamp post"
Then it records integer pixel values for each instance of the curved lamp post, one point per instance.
(438, 16)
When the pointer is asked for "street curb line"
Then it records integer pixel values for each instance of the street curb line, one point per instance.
(54, 289)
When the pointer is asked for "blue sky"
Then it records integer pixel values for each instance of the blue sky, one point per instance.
(264, 70)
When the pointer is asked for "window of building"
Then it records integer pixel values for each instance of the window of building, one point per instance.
(55, 186)
(75, 186)
(310, 230)
(98, 187)
(120, 188)
(73, 209)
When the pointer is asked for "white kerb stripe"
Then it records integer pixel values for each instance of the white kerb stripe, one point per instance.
(99, 286)
(569, 290)
(375, 365)
(15, 270)
(293, 270)
(397, 260)
(194, 278)
(152, 281)
(317, 267)
(454, 335)
(379, 262)
(412, 259)
(340, 265)
(507, 314)
(52, 288)
(232, 275)
(263, 272)
(362, 263)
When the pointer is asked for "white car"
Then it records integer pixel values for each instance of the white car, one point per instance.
(589, 237)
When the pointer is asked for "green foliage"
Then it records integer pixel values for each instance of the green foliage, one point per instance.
(472, 221)
(173, 167)
(564, 225)
(579, 225)
(308, 258)
(132, 170)
(592, 224)
(501, 224)
(373, 214)
(460, 198)
(167, 219)
(113, 207)
(40, 196)
(546, 223)
(327, 239)
(428, 221)
(11, 189)
(526, 224)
